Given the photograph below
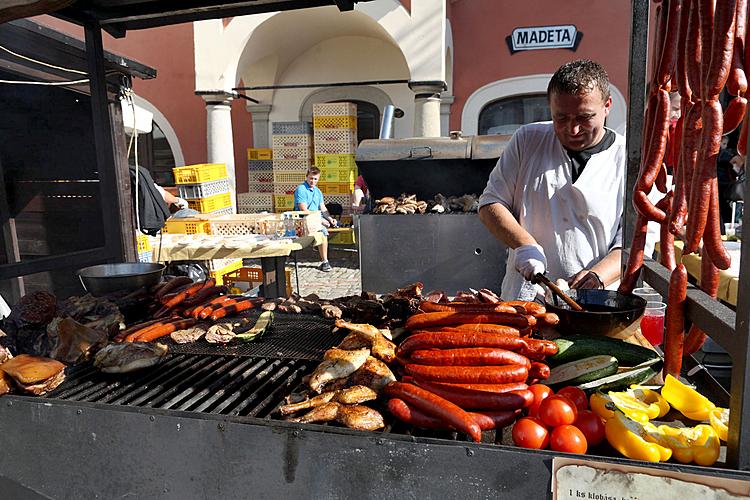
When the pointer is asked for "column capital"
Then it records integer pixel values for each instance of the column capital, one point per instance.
(259, 109)
(428, 88)
(216, 96)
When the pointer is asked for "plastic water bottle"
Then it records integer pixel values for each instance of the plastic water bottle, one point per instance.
(289, 230)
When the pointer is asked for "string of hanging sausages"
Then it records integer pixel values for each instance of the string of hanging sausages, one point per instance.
(699, 50)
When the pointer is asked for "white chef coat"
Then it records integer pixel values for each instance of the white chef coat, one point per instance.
(577, 224)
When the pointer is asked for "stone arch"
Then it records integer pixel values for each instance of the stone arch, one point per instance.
(532, 84)
(360, 93)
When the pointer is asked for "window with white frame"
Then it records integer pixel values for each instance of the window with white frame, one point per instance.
(506, 115)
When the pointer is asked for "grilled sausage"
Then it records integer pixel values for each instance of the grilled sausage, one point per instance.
(734, 114)
(487, 420)
(539, 371)
(227, 310)
(469, 374)
(204, 294)
(435, 406)
(455, 340)
(667, 256)
(470, 356)
(478, 328)
(472, 399)
(635, 259)
(429, 320)
(712, 235)
(463, 307)
(164, 330)
(172, 285)
(134, 328)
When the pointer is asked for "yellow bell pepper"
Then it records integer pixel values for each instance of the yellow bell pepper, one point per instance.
(699, 444)
(627, 437)
(628, 403)
(688, 401)
(719, 418)
(652, 398)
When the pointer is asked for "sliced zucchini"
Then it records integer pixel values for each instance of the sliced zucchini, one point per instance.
(623, 380)
(577, 347)
(260, 327)
(582, 371)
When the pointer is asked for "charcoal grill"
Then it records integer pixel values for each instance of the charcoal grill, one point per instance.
(448, 252)
(206, 425)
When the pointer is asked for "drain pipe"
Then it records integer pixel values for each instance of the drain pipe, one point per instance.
(386, 126)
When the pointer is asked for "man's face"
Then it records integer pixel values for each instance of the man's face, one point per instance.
(579, 119)
(312, 179)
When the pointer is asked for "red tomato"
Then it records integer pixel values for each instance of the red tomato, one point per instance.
(568, 438)
(540, 392)
(591, 425)
(576, 395)
(557, 410)
(530, 432)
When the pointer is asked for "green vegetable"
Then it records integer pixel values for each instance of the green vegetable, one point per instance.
(577, 347)
(582, 371)
(623, 380)
(260, 327)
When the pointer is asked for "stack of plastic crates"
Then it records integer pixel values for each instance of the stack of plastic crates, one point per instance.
(145, 252)
(205, 187)
(253, 203)
(335, 146)
(260, 171)
(292, 155)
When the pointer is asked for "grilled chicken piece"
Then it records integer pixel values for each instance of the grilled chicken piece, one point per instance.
(337, 363)
(354, 341)
(34, 374)
(382, 348)
(374, 374)
(129, 356)
(351, 395)
(353, 416)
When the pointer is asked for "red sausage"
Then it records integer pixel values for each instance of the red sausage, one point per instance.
(667, 256)
(709, 284)
(477, 328)
(661, 178)
(635, 259)
(171, 285)
(681, 66)
(647, 209)
(469, 374)
(466, 308)
(742, 139)
(675, 321)
(435, 406)
(448, 340)
(134, 328)
(689, 156)
(208, 310)
(712, 235)
(429, 320)
(722, 46)
(499, 388)
(669, 46)
(533, 308)
(539, 371)
(470, 356)
(657, 146)
(734, 114)
(487, 420)
(479, 400)
(539, 346)
(737, 81)
(693, 47)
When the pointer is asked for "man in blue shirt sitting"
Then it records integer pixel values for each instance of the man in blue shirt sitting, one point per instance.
(308, 196)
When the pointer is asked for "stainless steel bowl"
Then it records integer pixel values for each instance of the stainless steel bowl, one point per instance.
(125, 276)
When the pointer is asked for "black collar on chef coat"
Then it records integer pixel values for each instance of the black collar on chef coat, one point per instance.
(579, 159)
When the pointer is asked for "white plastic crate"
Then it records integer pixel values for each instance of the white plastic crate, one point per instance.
(260, 187)
(248, 203)
(260, 165)
(285, 188)
(204, 189)
(145, 256)
(335, 148)
(260, 175)
(289, 177)
(335, 109)
(291, 141)
(291, 128)
(344, 135)
(301, 153)
(292, 165)
(223, 211)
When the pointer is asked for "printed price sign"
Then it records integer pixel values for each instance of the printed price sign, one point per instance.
(589, 480)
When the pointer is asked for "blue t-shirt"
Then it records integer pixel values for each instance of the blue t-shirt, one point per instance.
(312, 196)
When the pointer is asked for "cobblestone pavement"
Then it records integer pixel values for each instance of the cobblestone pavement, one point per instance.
(342, 280)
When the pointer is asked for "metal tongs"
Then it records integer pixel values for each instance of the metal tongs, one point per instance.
(540, 278)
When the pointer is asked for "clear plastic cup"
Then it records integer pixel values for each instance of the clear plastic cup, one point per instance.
(729, 230)
(652, 322)
(648, 293)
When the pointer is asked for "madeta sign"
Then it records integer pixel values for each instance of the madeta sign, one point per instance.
(544, 37)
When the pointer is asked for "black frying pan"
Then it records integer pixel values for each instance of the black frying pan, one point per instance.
(607, 312)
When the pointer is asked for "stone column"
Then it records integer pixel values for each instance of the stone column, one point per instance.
(445, 114)
(219, 134)
(259, 113)
(427, 108)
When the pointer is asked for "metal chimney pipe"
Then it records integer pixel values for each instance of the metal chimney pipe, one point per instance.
(386, 126)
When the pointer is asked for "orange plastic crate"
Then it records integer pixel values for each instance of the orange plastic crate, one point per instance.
(253, 276)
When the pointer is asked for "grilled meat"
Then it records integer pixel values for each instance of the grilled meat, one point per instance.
(6, 383)
(337, 364)
(352, 395)
(220, 333)
(74, 342)
(189, 334)
(382, 348)
(373, 373)
(129, 356)
(353, 416)
(34, 374)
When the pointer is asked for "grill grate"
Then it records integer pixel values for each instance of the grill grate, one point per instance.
(290, 336)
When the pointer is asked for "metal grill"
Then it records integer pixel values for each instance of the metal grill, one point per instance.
(290, 336)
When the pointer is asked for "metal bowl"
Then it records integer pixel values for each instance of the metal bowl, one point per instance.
(125, 276)
(608, 313)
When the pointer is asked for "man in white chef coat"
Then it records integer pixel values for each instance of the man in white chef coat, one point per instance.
(555, 197)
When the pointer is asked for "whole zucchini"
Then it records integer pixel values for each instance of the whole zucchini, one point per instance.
(577, 347)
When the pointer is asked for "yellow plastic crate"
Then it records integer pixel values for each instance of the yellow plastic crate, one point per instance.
(345, 162)
(259, 153)
(211, 203)
(338, 175)
(342, 237)
(335, 122)
(144, 244)
(283, 202)
(289, 177)
(218, 275)
(188, 225)
(337, 187)
(205, 172)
